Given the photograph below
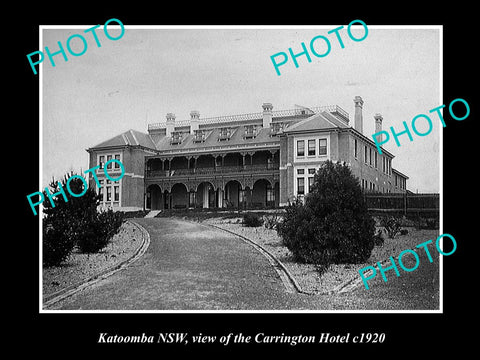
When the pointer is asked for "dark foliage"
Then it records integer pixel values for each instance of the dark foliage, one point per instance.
(98, 231)
(271, 221)
(378, 238)
(333, 226)
(75, 222)
(252, 220)
(392, 226)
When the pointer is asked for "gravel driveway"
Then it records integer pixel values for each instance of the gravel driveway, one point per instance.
(189, 266)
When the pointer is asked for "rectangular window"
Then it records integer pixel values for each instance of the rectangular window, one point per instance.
(109, 157)
(250, 131)
(116, 193)
(100, 190)
(301, 148)
(311, 171)
(310, 184)
(376, 158)
(365, 155)
(311, 147)
(241, 196)
(269, 163)
(322, 147)
(370, 151)
(270, 195)
(224, 133)
(117, 165)
(355, 148)
(101, 161)
(301, 186)
(300, 171)
(109, 193)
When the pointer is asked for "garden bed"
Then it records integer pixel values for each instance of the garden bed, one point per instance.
(307, 275)
(79, 267)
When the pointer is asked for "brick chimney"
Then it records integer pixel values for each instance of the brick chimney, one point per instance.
(267, 114)
(194, 120)
(358, 121)
(170, 124)
(378, 126)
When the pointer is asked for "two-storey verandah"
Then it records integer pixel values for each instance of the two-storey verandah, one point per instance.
(247, 178)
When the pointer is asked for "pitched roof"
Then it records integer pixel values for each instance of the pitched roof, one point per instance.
(130, 137)
(211, 139)
(318, 121)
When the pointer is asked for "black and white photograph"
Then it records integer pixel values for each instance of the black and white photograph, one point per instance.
(253, 176)
(278, 198)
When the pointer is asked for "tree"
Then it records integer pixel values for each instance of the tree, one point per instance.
(63, 223)
(333, 226)
(75, 222)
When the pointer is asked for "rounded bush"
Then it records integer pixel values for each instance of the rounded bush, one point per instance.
(252, 220)
(333, 226)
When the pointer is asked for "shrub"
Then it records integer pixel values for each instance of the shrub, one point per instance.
(64, 223)
(57, 243)
(99, 230)
(392, 226)
(270, 221)
(252, 220)
(75, 223)
(426, 223)
(334, 225)
(431, 224)
(378, 238)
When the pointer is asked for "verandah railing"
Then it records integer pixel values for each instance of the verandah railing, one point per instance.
(212, 170)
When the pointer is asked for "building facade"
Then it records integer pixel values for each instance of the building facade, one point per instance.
(256, 160)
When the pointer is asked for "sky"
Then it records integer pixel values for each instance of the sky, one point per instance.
(147, 73)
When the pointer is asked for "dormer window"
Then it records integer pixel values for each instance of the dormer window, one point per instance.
(250, 131)
(225, 134)
(199, 136)
(176, 138)
(275, 128)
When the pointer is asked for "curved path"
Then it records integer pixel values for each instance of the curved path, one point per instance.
(189, 266)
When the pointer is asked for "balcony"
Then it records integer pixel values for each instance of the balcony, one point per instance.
(219, 170)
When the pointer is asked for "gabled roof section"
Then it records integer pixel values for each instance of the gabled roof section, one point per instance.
(318, 121)
(128, 138)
